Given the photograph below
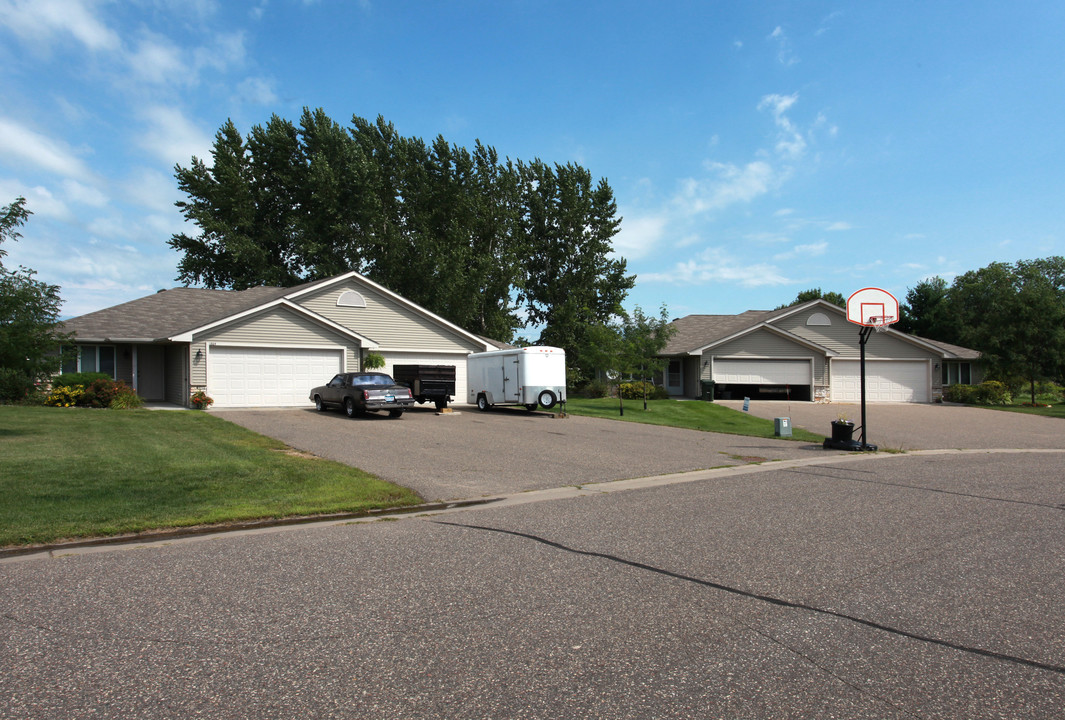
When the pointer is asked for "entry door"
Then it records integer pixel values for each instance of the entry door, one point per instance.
(675, 377)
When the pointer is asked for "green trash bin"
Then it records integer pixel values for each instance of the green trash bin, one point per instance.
(708, 390)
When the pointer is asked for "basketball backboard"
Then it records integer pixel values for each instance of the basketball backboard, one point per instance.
(872, 307)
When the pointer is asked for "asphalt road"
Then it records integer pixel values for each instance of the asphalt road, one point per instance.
(898, 586)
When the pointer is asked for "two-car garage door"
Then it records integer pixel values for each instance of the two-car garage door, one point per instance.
(885, 381)
(268, 377)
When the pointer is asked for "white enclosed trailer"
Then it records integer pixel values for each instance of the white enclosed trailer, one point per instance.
(528, 376)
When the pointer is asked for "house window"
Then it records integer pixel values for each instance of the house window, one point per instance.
(957, 373)
(350, 298)
(93, 358)
(818, 319)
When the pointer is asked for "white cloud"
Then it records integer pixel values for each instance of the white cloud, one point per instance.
(732, 184)
(785, 55)
(808, 250)
(256, 91)
(40, 151)
(639, 236)
(39, 200)
(790, 143)
(839, 225)
(172, 138)
(83, 194)
(156, 60)
(153, 190)
(715, 265)
(40, 21)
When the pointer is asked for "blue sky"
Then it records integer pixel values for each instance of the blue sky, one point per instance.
(755, 149)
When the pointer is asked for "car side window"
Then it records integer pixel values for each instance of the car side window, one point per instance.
(337, 381)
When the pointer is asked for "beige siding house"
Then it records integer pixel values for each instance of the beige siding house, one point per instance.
(808, 352)
(264, 347)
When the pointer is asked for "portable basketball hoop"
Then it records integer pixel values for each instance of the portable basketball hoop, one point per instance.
(874, 310)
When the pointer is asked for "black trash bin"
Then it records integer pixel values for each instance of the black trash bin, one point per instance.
(708, 390)
(842, 431)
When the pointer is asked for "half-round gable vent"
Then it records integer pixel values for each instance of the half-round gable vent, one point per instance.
(350, 298)
(819, 319)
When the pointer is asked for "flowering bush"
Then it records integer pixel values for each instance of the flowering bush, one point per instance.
(65, 396)
(126, 399)
(200, 400)
(635, 391)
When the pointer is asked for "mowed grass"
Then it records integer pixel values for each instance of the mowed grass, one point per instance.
(691, 414)
(74, 473)
(1056, 411)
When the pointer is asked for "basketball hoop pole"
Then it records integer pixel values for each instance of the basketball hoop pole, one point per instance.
(863, 335)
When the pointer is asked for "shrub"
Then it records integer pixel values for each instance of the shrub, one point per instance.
(64, 396)
(84, 379)
(595, 389)
(99, 393)
(991, 392)
(126, 399)
(635, 390)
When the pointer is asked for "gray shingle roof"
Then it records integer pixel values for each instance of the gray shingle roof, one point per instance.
(168, 313)
(696, 331)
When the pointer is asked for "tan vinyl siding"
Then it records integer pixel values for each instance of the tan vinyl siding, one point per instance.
(390, 324)
(277, 327)
(842, 337)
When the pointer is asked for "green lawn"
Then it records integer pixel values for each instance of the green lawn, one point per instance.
(75, 472)
(690, 414)
(1057, 411)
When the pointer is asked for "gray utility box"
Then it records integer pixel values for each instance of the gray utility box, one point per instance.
(782, 427)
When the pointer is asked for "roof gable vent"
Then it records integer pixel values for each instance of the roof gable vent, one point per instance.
(818, 319)
(351, 298)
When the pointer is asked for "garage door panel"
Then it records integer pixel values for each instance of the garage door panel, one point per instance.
(762, 372)
(268, 377)
(885, 381)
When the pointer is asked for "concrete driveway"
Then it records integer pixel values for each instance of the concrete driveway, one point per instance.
(913, 426)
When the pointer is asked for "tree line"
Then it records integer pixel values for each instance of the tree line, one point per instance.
(1013, 313)
(494, 246)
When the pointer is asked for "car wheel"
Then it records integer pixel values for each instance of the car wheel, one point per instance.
(349, 407)
(548, 399)
(482, 402)
(318, 404)
(395, 413)
(531, 406)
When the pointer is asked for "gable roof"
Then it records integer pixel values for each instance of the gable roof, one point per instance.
(696, 333)
(178, 313)
(167, 313)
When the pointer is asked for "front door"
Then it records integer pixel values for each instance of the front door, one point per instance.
(675, 377)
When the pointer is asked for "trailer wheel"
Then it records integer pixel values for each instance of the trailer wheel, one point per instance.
(531, 406)
(482, 402)
(547, 398)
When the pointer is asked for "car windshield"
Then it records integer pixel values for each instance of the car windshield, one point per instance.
(371, 380)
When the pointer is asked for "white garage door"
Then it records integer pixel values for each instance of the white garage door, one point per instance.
(459, 361)
(885, 381)
(268, 377)
(762, 372)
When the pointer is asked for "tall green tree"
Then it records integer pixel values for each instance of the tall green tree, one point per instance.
(629, 345)
(925, 313)
(815, 294)
(435, 222)
(1015, 315)
(571, 281)
(30, 339)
